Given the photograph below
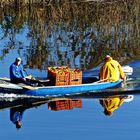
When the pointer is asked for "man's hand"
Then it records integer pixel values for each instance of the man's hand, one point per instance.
(124, 79)
(24, 79)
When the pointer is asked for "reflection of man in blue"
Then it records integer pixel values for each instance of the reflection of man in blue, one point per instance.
(17, 74)
(16, 115)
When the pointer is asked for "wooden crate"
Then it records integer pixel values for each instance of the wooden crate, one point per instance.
(75, 78)
(58, 79)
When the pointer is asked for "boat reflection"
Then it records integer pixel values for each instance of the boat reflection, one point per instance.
(19, 106)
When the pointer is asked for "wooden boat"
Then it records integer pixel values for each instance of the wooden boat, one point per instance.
(56, 90)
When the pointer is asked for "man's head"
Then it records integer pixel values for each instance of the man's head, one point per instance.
(18, 61)
(18, 125)
(108, 113)
(107, 58)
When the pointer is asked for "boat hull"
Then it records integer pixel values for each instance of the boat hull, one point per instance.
(58, 90)
(72, 89)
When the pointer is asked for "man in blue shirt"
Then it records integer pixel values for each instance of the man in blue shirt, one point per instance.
(17, 74)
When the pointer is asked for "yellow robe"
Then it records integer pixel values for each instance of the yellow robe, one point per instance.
(111, 70)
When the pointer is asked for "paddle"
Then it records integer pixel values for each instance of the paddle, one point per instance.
(27, 87)
(33, 79)
(100, 81)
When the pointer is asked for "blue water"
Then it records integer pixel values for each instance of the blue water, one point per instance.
(86, 123)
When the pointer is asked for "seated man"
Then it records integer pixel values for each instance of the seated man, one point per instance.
(17, 75)
(111, 70)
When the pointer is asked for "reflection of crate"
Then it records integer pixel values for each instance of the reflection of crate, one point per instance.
(76, 103)
(59, 105)
(58, 80)
(75, 78)
(64, 104)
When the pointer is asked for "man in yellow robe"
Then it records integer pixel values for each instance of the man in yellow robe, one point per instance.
(111, 70)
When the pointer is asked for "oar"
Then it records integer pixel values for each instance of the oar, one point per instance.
(102, 80)
(27, 87)
(30, 77)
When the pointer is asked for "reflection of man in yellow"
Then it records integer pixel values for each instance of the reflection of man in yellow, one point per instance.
(111, 104)
(111, 69)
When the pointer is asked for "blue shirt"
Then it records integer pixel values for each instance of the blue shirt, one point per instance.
(16, 71)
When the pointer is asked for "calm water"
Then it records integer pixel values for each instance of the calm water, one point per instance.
(78, 35)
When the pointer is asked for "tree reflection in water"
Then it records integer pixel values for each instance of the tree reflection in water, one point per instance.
(75, 34)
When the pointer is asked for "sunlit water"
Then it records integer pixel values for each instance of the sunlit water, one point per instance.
(43, 41)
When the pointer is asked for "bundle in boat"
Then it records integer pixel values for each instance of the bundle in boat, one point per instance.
(64, 76)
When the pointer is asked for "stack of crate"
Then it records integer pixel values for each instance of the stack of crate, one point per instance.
(60, 76)
(64, 104)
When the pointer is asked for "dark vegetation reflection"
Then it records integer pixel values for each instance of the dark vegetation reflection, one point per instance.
(74, 34)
